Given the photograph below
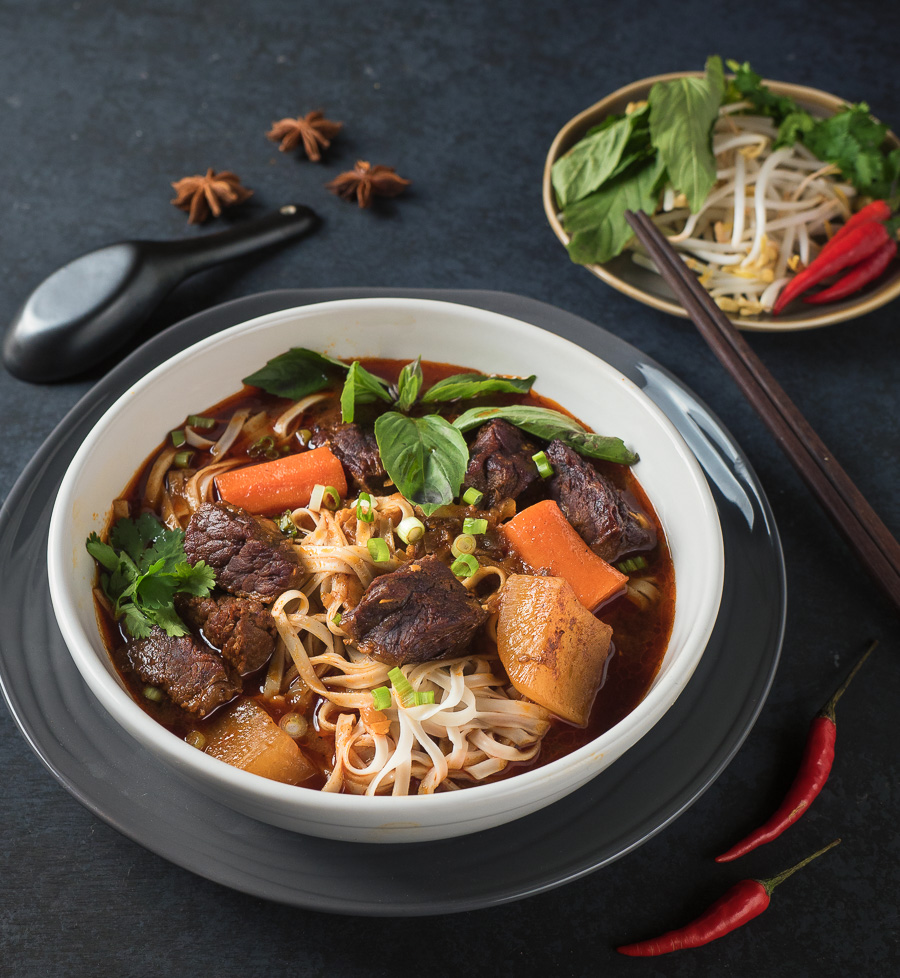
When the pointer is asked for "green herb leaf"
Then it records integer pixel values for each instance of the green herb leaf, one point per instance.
(197, 579)
(409, 384)
(747, 86)
(853, 141)
(426, 458)
(147, 568)
(597, 224)
(548, 425)
(850, 139)
(102, 552)
(590, 161)
(794, 127)
(296, 373)
(682, 112)
(137, 623)
(464, 386)
(361, 387)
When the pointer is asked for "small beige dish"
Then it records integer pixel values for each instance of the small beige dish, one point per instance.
(646, 286)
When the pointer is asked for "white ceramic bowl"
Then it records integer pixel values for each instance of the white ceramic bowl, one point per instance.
(397, 328)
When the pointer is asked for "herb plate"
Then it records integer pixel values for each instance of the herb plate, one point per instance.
(648, 287)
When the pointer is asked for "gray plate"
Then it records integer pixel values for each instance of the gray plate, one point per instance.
(635, 798)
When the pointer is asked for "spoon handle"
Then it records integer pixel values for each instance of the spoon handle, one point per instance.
(187, 257)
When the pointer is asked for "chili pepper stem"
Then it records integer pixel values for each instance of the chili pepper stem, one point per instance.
(828, 709)
(774, 881)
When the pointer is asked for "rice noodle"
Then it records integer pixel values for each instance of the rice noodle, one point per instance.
(229, 435)
(477, 724)
(283, 422)
(761, 217)
(471, 731)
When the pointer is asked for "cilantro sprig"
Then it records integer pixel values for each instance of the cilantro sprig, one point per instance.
(850, 138)
(144, 568)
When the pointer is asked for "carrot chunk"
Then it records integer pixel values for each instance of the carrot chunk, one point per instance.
(544, 538)
(285, 483)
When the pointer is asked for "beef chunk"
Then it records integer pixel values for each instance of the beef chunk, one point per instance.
(241, 628)
(357, 450)
(194, 677)
(415, 614)
(500, 462)
(608, 520)
(249, 554)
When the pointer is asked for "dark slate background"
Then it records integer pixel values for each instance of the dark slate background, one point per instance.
(103, 104)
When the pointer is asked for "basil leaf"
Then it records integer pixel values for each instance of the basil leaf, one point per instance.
(409, 384)
(296, 373)
(597, 224)
(590, 161)
(463, 386)
(548, 425)
(360, 387)
(426, 458)
(682, 112)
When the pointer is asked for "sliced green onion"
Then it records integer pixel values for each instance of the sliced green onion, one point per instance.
(401, 684)
(465, 543)
(294, 725)
(543, 464)
(263, 448)
(198, 421)
(472, 496)
(365, 513)
(331, 498)
(378, 550)
(178, 438)
(632, 564)
(411, 529)
(196, 739)
(422, 697)
(381, 697)
(336, 617)
(182, 459)
(153, 694)
(474, 526)
(464, 565)
(287, 526)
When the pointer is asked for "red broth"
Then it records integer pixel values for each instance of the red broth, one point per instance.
(640, 637)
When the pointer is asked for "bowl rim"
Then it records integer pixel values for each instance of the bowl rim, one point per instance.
(633, 91)
(181, 756)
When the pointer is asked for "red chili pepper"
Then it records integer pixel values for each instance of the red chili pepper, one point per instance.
(858, 276)
(818, 756)
(737, 906)
(878, 210)
(856, 245)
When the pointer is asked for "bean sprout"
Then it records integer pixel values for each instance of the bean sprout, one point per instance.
(766, 216)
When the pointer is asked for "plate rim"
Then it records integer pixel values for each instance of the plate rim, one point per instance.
(531, 886)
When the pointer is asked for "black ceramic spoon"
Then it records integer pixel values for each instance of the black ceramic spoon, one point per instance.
(87, 309)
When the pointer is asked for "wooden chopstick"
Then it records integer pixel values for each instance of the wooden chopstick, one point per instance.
(854, 518)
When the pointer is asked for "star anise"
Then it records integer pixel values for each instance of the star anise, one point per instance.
(313, 129)
(202, 196)
(366, 181)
